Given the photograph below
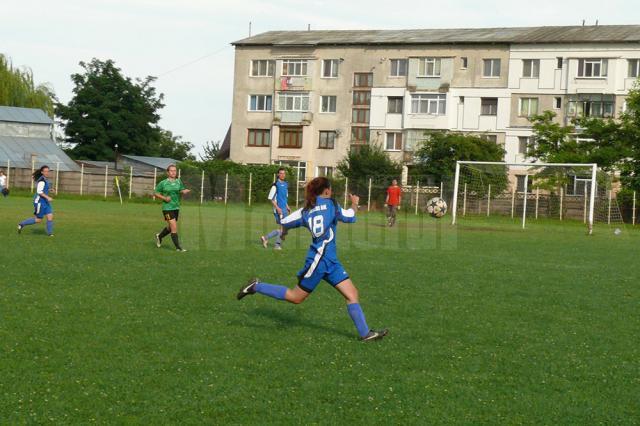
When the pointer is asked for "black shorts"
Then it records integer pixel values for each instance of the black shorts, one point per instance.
(171, 214)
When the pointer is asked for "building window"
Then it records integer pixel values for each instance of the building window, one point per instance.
(398, 68)
(489, 138)
(327, 139)
(559, 61)
(599, 106)
(360, 135)
(524, 142)
(557, 102)
(464, 62)
(294, 67)
(330, 68)
(260, 102)
(634, 68)
(430, 67)
(531, 68)
(363, 79)
(520, 183)
(360, 116)
(528, 107)
(491, 68)
(489, 106)
(361, 98)
(293, 102)
(593, 68)
(300, 166)
(394, 141)
(429, 104)
(291, 137)
(262, 68)
(324, 171)
(394, 105)
(259, 137)
(328, 103)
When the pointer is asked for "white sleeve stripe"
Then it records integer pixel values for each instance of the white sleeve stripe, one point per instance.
(40, 188)
(272, 193)
(347, 213)
(297, 215)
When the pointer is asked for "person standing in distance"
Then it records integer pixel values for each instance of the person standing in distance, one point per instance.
(170, 192)
(41, 201)
(278, 195)
(392, 202)
(3, 184)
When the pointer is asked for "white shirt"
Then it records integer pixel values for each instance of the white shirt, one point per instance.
(3, 181)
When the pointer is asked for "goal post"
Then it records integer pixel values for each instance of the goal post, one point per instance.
(492, 187)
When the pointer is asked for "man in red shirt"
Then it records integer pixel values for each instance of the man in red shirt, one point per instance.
(394, 196)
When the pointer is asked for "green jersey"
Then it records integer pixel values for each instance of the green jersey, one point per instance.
(170, 188)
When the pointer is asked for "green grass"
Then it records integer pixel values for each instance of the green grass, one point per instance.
(488, 323)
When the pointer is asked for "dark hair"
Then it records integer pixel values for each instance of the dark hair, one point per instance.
(282, 169)
(313, 189)
(170, 166)
(38, 173)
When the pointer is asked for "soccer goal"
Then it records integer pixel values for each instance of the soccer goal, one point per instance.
(528, 191)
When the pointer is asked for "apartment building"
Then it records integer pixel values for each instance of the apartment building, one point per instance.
(306, 98)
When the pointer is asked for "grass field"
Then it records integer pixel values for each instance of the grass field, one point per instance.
(488, 323)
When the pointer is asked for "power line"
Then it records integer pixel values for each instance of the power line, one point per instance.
(193, 62)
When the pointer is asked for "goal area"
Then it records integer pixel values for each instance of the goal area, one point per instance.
(529, 191)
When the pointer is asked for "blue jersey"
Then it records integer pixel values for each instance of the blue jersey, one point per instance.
(42, 187)
(321, 221)
(280, 192)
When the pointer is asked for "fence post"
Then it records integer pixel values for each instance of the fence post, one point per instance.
(417, 195)
(8, 173)
(250, 184)
(524, 201)
(464, 200)
(489, 201)
(537, 201)
(106, 177)
(297, 189)
(226, 187)
(633, 219)
(609, 209)
(346, 189)
(584, 209)
(561, 201)
(81, 177)
(155, 179)
(442, 190)
(57, 177)
(179, 174)
(202, 188)
(513, 201)
(130, 180)
(33, 169)
(369, 197)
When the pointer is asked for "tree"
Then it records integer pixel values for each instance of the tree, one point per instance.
(437, 155)
(368, 161)
(171, 146)
(630, 131)
(108, 108)
(211, 151)
(18, 89)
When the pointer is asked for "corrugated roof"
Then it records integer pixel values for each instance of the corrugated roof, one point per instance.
(159, 162)
(98, 164)
(513, 35)
(19, 151)
(24, 115)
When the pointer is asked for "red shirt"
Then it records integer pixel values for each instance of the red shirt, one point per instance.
(394, 192)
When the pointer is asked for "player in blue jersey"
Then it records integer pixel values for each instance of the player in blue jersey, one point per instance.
(278, 195)
(320, 215)
(41, 201)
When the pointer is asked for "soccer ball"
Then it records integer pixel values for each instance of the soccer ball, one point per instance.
(437, 207)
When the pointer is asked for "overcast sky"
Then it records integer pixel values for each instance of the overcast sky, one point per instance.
(186, 42)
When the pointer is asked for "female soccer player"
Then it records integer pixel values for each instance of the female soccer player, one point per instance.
(41, 202)
(320, 215)
(170, 191)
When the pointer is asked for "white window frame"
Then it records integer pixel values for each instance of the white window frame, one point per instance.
(496, 111)
(527, 102)
(601, 63)
(394, 71)
(303, 64)
(534, 68)
(299, 100)
(264, 102)
(433, 104)
(436, 67)
(328, 104)
(395, 98)
(334, 68)
(633, 68)
(270, 68)
(395, 136)
(492, 68)
(327, 171)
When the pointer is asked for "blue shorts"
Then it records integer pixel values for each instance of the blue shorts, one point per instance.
(41, 209)
(331, 271)
(278, 217)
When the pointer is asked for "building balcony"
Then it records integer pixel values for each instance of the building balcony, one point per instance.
(300, 84)
(292, 118)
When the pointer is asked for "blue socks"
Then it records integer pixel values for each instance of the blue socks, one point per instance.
(356, 314)
(272, 234)
(276, 291)
(50, 227)
(30, 221)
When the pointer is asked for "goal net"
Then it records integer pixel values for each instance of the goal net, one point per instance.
(526, 191)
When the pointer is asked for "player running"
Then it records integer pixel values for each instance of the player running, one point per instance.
(392, 202)
(41, 201)
(170, 191)
(320, 215)
(278, 196)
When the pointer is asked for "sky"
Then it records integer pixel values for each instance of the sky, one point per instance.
(186, 43)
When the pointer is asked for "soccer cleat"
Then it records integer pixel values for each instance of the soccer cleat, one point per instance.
(264, 241)
(181, 250)
(19, 229)
(158, 241)
(50, 235)
(248, 288)
(277, 247)
(375, 335)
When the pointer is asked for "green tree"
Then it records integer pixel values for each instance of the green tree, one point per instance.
(368, 161)
(211, 151)
(630, 132)
(108, 108)
(18, 89)
(171, 146)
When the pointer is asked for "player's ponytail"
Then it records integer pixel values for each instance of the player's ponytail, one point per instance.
(313, 189)
(38, 173)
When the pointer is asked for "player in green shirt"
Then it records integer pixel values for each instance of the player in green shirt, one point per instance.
(170, 191)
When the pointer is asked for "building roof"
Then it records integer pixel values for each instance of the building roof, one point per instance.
(98, 164)
(24, 115)
(158, 162)
(20, 150)
(513, 35)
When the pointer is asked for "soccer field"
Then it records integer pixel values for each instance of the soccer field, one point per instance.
(488, 323)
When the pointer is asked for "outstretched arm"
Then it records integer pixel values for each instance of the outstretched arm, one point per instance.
(349, 215)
